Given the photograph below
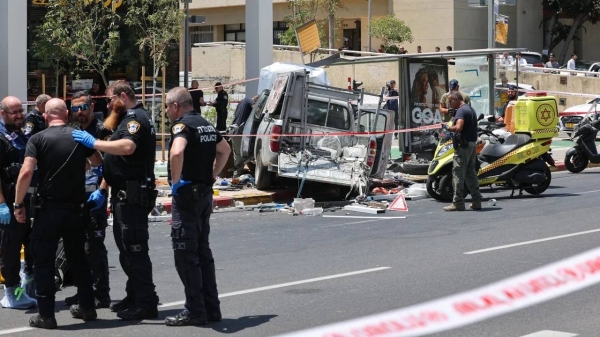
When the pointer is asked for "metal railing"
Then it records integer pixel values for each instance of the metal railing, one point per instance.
(295, 48)
(559, 71)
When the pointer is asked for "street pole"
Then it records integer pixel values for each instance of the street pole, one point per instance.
(186, 42)
(369, 15)
(492, 57)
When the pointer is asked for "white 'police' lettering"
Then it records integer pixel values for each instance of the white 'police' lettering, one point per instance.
(208, 138)
(206, 129)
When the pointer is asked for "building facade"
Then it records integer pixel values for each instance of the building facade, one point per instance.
(434, 23)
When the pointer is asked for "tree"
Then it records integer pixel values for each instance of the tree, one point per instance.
(307, 10)
(158, 27)
(85, 32)
(392, 31)
(44, 49)
(580, 11)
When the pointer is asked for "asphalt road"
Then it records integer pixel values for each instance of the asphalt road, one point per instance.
(278, 273)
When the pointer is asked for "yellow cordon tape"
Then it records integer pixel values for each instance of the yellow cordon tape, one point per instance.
(511, 294)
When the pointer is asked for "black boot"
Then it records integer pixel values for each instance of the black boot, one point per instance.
(101, 303)
(135, 313)
(72, 300)
(85, 314)
(122, 305)
(38, 321)
(183, 319)
(213, 317)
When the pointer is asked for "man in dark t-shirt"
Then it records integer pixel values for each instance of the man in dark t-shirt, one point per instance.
(197, 96)
(464, 170)
(60, 199)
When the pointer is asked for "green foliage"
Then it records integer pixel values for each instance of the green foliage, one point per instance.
(392, 30)
(86, 33)
(158, 27)
(581, 11)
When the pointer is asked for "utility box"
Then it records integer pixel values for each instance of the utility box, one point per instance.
(536, 114)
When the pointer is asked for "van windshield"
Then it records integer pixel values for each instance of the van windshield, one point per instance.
(328, 115)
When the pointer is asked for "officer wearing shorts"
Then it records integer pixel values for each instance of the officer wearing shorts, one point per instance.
(128, 169)
(58, 208)
(195, 145)
(82, 107)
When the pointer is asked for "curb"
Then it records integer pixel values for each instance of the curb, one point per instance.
(224, 202)
(560, 166)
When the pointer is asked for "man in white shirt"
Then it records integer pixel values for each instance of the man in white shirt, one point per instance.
(506, 60)
(521, 61)
(571, 63)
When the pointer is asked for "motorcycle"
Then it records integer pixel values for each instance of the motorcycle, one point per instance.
(517, 162)
(584, 151)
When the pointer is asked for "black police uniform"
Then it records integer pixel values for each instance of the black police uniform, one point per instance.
(131, 179)
(12, 236)
(34, 123)
(191, 211)
(221, 103)
(60, 200)
(97, 221)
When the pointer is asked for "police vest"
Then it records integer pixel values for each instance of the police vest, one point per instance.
(13, 159)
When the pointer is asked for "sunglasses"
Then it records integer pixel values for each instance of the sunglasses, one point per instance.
(82, 107)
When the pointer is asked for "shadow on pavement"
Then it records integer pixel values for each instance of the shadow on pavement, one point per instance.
(233, 325)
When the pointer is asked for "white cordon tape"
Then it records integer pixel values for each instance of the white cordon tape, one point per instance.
(518, 292)
(560, 93)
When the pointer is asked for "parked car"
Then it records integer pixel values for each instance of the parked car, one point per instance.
(583, 65)
(324, 149)
(569, 118)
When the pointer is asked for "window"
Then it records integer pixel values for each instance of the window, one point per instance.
(201, 34)
(328, 115)
(235, 32)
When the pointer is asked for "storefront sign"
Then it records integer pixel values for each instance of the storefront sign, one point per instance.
(114, 3)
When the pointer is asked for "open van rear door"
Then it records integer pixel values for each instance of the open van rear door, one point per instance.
(373, 120)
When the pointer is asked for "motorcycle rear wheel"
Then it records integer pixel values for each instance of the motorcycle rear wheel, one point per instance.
(576, 163)
(447, 189)
(541, 188)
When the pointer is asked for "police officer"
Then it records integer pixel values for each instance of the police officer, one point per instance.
(12, 234)
(83, 109)
(220, 104)
(58, 208)
(464, 166)
(34, 120)
(129, 170)
(195, 145)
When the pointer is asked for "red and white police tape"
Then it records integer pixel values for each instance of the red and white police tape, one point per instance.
(511, 294)
(358, 134)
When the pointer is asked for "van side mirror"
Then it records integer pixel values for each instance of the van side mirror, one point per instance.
(480, 117)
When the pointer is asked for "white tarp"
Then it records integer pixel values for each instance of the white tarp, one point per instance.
(269, 74)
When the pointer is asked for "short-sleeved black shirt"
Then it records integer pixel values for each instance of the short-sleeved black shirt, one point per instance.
(51, 148)
(467, 114)
(201, 149)
(243, 110)
(34, 123)
(196, 95)
(139, 166)
(221, 101)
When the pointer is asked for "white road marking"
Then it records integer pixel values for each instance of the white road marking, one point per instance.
(364, 217)
(282, 285)
(550, 333)
(595, 191)
(9, 331)
(531, 242)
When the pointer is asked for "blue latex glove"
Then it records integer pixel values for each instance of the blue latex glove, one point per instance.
(4, 214)
(179, 184)
(98, 198)
(84, 138)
